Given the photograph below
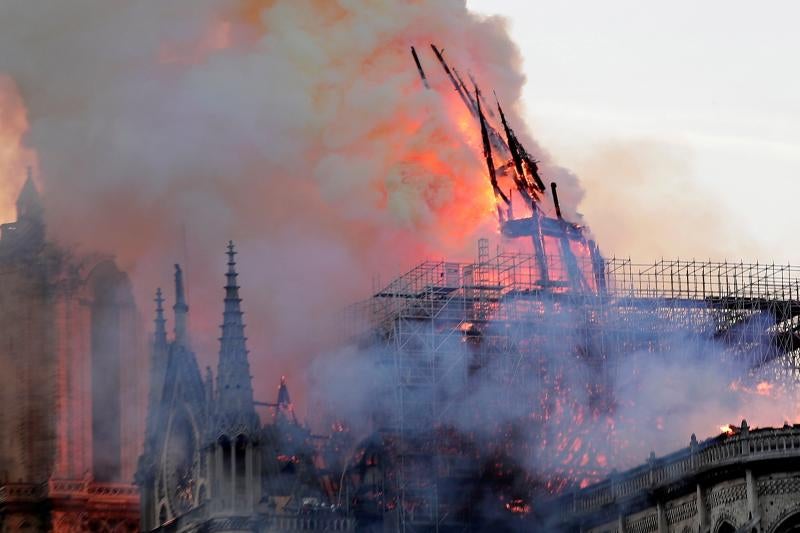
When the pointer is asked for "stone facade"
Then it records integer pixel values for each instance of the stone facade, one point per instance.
(745, 481)
(70, 424)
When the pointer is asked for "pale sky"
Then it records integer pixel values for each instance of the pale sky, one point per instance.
(681, 118)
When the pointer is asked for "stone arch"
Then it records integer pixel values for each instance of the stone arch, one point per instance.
(99, 526)
(240, 455)
(789, 523)
(724, 526)
(221, 487)
(68, 522)
(110, 301)
(162, 514)
(226, 446)
(179, 461)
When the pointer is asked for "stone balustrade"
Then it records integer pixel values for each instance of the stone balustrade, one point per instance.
(742, 446)
(20, 492)
(59, 488)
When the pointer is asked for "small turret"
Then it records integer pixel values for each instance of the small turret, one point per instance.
(158, 366)
(26, 234)
(29, 204)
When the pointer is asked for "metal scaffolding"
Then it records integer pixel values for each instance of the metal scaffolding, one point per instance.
(439, 322)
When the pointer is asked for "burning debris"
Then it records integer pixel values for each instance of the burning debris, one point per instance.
(523, 171)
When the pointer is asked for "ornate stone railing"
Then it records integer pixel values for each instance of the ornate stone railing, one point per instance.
(20, 492)
(309, 523)
(113, 490)
(72, 488)
(742, 446)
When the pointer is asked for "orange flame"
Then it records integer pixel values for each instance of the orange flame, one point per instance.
(14, 155)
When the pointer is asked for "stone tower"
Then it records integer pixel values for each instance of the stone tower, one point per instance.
(71, 401)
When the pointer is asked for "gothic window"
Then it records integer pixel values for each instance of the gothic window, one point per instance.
(790, 524)
(180, 463)
(726, 527)
(110, 296)
(241, 457)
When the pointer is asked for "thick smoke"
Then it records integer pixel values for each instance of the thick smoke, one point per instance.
(574, 403)
(299, 129)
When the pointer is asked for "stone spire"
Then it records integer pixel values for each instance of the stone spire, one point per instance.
(29, 204)
(234, 385)
(158, 367)
(181, 310)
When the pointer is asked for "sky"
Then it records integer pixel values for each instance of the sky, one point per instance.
(682, 119)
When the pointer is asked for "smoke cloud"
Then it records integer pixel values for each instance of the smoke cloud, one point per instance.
(648, 181)
(299, 129)
(563, 399)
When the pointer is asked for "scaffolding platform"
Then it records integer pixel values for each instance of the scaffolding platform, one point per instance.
(439, 323)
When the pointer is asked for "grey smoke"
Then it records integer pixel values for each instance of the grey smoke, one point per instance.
(291, 127)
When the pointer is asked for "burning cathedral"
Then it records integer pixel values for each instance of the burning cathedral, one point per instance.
(491, 409)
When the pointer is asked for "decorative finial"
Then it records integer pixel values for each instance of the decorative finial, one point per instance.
(231, 256)
(159, 301)
(160, 336)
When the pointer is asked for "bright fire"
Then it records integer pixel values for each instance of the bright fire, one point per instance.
(14, 155)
